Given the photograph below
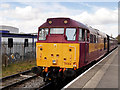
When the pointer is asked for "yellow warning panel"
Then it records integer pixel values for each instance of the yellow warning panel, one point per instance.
(61, 55)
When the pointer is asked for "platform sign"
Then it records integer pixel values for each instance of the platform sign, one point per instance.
(10, 42)
(26, 43)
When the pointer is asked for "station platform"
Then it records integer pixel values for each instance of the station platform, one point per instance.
(102, 75)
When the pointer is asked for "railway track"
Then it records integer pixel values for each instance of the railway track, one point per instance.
(16, 79)
(46, 86)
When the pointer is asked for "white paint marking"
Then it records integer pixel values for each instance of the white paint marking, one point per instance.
(98, 76)
(75, 51)
(25, 75)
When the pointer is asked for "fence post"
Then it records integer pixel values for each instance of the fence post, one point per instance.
(0, 58)
(0, 55)
(23, 52)
(35, 51)
(33, 47)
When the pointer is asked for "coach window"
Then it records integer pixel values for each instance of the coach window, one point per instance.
(71, 34)
(94, 38)
(86, 35)
(43, 33)
(99, 39)
(91, 38)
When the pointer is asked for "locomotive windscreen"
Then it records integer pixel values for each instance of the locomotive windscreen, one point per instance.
(43, 32)
(56, 30)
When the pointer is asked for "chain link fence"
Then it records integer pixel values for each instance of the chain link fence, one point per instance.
(17, 53)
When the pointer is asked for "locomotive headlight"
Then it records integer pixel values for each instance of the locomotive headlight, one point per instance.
(54, 61)
(50, 22)
(65, 21)
(74, 64)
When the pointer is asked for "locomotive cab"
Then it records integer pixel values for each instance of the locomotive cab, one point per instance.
(56, 47)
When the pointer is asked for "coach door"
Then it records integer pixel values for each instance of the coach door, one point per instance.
(86, 46)
(104, 43)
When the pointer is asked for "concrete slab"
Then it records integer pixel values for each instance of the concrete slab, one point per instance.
(110, 78)
(103, 75)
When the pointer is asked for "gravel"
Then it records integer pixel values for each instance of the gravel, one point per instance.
(31, 84)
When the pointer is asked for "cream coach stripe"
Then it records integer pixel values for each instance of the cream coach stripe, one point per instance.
(85, 72)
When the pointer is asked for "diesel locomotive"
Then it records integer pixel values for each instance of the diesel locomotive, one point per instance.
(64, 46)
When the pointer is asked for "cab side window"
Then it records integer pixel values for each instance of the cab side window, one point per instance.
(83, 35)
(80, 34)
(43, 33)
(86, 35)
(71, 34)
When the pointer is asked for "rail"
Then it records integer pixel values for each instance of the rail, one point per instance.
(16, 79)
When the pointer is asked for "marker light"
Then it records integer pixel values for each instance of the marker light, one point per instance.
(64, 69)
(46, 69)
(65, 21)
(74, 64)
(50, 22)
(74, 68)
(60, 70)
(54, 61)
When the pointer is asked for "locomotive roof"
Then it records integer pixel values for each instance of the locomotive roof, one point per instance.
(62, 22)
(67, 22)
(93, 31)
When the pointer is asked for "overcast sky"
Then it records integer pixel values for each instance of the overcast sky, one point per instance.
(28, 16)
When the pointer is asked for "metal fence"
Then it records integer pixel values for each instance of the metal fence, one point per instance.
(17, 53)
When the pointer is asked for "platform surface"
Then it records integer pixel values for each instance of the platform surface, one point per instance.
(103, 75)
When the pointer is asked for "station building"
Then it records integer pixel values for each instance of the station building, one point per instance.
(16, 46)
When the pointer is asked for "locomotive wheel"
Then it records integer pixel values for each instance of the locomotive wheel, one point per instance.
(70, 73)
(36, 70)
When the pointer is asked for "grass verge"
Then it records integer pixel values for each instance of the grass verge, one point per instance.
(17, 67)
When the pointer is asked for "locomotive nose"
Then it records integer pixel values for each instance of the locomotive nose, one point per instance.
(36, 70)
